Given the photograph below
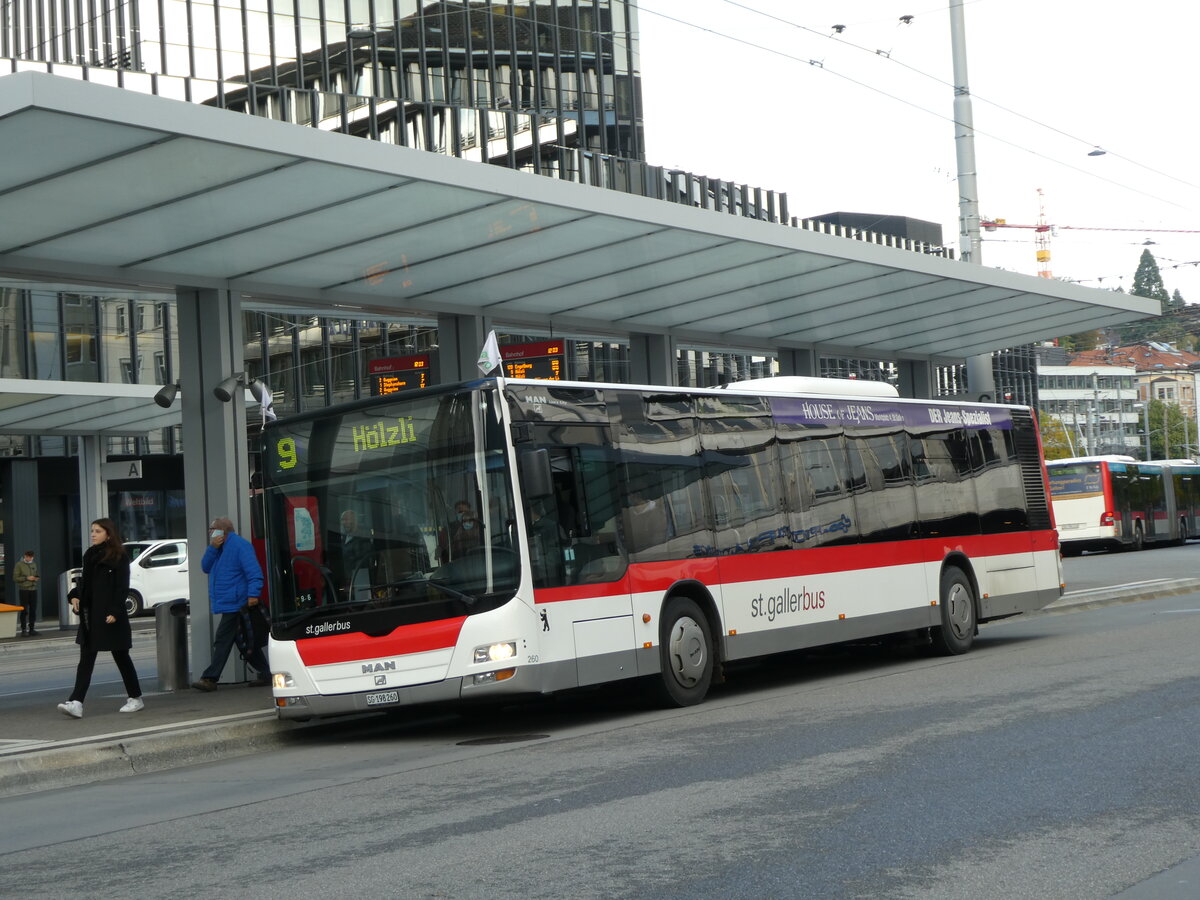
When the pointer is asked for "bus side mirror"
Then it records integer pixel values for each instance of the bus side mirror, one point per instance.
(535, 474)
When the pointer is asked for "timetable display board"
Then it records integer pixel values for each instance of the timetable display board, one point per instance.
(398, 373)
(545, 359)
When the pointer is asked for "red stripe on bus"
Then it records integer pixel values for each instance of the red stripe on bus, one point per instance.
(658, 576)
(418, 638)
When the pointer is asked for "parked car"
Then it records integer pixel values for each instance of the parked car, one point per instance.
(158, 573)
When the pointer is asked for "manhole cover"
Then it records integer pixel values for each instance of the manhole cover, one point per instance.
(502, 739)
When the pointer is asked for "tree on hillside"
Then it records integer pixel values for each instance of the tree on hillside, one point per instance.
(1056, 441)
(1180, 431)
(1177, 300)
(1147, 282)
(1085, 340)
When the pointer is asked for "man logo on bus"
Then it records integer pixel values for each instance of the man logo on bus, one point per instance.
(371, 668)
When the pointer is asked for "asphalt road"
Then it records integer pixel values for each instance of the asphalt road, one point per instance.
(1094, 570)
(1057, 760)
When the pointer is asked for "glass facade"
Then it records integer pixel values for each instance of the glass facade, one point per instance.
(519, 83)
(1014, 371)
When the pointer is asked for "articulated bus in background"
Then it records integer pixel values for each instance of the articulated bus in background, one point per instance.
(1118, 503)
(500, 538)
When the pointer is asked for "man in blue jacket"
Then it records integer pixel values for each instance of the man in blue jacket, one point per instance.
(234, 584)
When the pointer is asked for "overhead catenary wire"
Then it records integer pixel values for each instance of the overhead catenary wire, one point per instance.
(820, 64)
(840, 38)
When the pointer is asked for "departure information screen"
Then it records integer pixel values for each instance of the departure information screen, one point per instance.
(541, 360)
(398, 373)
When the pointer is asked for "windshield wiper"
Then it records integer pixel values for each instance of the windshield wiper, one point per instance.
(420, 581)
(455, 593)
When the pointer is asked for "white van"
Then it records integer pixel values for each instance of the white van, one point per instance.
(158, 573)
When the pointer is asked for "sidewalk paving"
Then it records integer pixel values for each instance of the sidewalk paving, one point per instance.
(41, 748)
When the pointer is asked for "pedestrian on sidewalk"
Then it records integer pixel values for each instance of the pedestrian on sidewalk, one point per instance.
(25, 574)
(235, 582)
(99, 601)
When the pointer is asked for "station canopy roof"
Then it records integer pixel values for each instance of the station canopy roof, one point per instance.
(107, 186)
(81, 408)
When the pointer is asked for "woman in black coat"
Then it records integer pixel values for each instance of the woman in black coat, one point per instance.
(99, 601)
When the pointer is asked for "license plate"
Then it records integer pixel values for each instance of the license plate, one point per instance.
(382, 697)
(1068, 526)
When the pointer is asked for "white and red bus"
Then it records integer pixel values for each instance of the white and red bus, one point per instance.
(1118, 503)
(502, 537)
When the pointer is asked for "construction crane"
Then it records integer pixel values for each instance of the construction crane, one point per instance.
(1043, 231)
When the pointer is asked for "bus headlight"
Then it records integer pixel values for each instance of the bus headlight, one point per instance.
(496, 652)
(282, 680)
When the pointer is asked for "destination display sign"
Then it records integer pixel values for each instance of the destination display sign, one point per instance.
(392, 374)
(541, 360)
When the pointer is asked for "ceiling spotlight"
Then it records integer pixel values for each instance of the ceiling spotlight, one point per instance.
(838, 29)
(259, 391)
(906, 20)
(224, 390)
(1096, 151)
(166, 395)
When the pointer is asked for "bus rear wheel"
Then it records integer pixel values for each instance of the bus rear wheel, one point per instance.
(685, 653)
(1139, 538)
(956, 634)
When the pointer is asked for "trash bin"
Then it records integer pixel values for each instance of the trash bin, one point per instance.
(170, 633)
(67, 580)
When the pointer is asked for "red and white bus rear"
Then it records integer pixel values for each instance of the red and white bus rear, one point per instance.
(1118, 503)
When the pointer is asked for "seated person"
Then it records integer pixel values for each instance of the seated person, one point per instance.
(464, 533)
(355, 554)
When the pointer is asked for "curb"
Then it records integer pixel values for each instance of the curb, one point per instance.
(102, 759)
(1125, 593)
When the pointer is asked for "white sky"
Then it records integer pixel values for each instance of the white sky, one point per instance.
(1110, 73)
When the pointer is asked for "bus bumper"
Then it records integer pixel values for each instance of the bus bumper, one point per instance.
(307, 706)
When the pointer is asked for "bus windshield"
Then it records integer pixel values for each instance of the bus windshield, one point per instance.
(388, 515)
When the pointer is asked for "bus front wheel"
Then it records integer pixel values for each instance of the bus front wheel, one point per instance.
(957, 631)
(685, 653)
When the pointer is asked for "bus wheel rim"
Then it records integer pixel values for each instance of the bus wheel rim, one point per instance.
(958, 603)
(688, 651)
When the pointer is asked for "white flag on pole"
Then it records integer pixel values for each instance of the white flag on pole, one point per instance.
(489, 357)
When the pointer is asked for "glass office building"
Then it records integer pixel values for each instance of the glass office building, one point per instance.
(520, 83)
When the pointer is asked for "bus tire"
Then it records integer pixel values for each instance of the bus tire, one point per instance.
(1139, 538)
(685, 653)
(956, 634)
